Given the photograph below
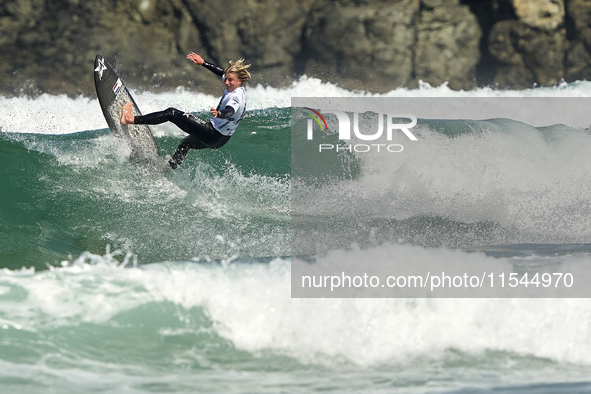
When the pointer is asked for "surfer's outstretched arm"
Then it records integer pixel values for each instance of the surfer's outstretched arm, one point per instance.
(198, 60)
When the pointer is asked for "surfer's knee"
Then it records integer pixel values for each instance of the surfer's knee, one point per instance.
(171, 112)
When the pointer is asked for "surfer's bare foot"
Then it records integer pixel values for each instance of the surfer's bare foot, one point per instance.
(127, 117)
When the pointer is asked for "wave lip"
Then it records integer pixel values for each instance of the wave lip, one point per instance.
(60, 114)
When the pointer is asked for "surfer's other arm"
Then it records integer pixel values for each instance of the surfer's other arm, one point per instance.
(223, 114)
(198, 60)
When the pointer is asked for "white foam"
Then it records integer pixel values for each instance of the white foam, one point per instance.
(250, 306)
(49, 114)
(505, 172)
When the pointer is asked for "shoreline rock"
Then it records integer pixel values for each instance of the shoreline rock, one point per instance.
(374, 45)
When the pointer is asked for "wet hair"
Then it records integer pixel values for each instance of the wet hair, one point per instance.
(239, 69)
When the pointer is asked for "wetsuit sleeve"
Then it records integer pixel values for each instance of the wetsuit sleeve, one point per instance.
(213, 68)
(226, 113)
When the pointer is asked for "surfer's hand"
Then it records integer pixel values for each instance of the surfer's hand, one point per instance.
(195, 58)
(214, 112)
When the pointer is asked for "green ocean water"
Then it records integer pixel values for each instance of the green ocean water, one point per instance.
(66, 194)
(124, 278)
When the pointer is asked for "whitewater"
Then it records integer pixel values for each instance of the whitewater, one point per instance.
(119, 279)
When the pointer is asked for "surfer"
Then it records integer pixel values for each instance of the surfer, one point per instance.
(224, 118)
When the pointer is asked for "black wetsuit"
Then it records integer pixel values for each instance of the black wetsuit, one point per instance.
(202, 134)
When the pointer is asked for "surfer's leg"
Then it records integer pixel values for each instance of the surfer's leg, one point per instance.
(201, 134)
(167, 115)
(190, 124)
(211, 139)
(156, 117)
(188, 143)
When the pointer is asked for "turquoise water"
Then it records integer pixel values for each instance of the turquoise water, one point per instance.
(119, 278)
(70, 193)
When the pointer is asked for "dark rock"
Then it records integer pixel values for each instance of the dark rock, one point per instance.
(578, 27)
(381, 45)
(265, 33)
(364, 45)
(375, 45)
(447, 44)
(526, 55)
(545, 15)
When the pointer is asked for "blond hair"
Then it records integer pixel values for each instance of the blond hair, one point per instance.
(239, 69)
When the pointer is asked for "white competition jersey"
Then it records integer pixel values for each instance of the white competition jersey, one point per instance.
(236, 100)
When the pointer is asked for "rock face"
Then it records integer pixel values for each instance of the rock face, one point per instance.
(447, 47)
(375, 45)
(50, 46)
(527, 55)
(578, 28)
(361, 44)
(530, 49)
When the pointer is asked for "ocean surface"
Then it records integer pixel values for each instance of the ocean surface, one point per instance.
(124, 278)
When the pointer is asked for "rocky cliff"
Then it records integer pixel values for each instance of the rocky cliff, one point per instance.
(377, 45)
